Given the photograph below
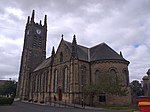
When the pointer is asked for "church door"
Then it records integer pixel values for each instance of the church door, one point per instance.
(60, 94)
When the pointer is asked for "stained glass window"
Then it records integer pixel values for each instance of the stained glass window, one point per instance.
(113, 75)
(65, 85)
(97, 77)
(55, 80)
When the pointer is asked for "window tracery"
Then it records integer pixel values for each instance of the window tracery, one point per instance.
(83, 75)
(65, 76)
(113, 75)
(55, 80)
(97, 77)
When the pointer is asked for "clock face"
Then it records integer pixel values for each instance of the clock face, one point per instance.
(38, 31)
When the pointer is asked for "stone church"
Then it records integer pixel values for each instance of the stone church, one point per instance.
(63, 75)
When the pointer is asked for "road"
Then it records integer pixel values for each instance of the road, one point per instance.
(28, 107)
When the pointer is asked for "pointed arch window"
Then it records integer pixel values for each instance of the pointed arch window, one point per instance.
(126, 77)
(83, 75)
(34, 41)
(42, 83)
(55, 81)
(34, 84)
(65, 76)
(38, 82)
(47, 79)
(97, 77)
(113, 76)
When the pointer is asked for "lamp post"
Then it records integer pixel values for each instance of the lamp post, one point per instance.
(82, 101)
(82, 96)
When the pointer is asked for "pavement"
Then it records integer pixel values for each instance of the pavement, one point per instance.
(18, 106)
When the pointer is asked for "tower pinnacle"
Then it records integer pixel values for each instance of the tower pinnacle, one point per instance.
(121, 54)
(28, 20)
(74, 47)
(32, 18)
(45, 20)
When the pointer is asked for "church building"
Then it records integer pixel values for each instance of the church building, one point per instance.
(70, 68)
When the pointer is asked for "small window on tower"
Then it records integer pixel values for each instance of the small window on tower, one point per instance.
(35, 37)
(83, 75)
(97, 77)
(34, 41)
(34, 44)
(39, 44)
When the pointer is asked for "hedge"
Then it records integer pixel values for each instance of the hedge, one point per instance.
(6, 101)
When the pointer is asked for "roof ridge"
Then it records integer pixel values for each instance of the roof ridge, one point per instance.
(43, 64)
(98, 45)
(77, 44)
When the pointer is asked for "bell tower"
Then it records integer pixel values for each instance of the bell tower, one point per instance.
(34, 52)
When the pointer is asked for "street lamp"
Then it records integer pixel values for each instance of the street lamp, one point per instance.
(82, 101)
(82, 96)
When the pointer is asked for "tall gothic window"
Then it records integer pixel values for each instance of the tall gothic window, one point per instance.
(83, 75)
(42, 83)
(113, 75)
(34, 84)
(61, 57)
(38, 83)
(126, 77)
(46, 79)
(55, 81)
(97, 77)
(65, 76)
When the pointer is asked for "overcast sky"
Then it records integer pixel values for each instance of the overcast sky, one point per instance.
(122, 24)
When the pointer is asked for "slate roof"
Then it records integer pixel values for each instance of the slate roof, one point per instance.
(104, 52)
(44, 64)
(98, 52)
(81, 51)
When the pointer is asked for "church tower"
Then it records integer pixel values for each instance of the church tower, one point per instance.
(34, 52)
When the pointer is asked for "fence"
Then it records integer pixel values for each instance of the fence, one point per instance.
(64, 104)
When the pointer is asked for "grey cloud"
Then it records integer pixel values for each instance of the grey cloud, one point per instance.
(122, 24)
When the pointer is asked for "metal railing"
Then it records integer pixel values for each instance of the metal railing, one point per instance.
(64, 104)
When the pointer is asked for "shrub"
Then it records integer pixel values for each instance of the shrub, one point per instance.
(6, 101)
